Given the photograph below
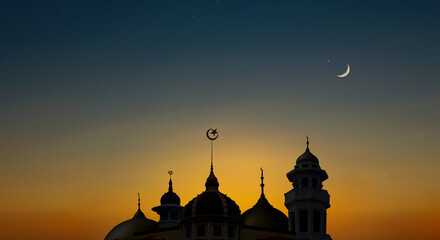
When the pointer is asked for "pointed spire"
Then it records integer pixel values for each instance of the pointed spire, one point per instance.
(139, 213)
(262, 183)
(170, 187)
(262, 201)
(212, 182)
(212, 156)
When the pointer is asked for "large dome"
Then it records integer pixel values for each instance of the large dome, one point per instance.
(263, 215)
(211, 202)
(125, 230)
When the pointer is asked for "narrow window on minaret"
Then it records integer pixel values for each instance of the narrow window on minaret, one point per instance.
(316, 220)
(303, 221)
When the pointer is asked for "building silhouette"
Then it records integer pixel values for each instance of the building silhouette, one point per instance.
(212, 215)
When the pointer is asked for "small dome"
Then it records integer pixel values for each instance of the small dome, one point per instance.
(265, 216)
(170, 197)
(126, 229)
(307, 156)
(212, 182)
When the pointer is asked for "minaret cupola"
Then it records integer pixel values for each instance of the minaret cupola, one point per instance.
(170, 211)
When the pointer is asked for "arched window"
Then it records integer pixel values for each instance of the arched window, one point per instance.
(314, 182)
(304, 182)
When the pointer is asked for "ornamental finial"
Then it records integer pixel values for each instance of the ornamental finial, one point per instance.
(262, 183)
(170, 183)
(212, 135)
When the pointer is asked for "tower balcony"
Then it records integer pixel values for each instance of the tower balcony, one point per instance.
(307, 194)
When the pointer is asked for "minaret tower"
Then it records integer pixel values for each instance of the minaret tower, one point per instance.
(307, 202)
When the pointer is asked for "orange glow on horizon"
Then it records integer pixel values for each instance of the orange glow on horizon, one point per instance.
(76, 202)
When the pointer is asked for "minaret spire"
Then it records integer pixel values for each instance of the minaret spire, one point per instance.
(139, 201)
(170, 187)
(214, 136)
(262, 201)
(262, 183)
(211, 182)
(212, 155)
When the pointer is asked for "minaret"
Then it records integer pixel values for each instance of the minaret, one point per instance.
(307, 202)
(170, 211)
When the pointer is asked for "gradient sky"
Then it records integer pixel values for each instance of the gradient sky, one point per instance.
(98, 100)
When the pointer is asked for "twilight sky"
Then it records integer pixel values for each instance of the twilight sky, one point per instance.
(99, 99)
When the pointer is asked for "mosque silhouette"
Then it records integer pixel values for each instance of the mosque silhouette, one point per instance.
(212, 215)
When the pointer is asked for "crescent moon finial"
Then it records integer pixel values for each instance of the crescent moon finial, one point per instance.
(170, 183)
(212, 132)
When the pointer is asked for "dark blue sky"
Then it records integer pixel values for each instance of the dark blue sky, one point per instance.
(75, 57)
(70, 63)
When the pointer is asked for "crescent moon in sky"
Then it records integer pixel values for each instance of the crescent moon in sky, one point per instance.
(212, 132)
(346, 72)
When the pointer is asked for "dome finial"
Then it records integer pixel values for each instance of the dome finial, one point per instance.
(211, 182)
(262, 201)
(262, 183)
(139, 201)
(214, 136)
(170, 188)
(307, 137)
